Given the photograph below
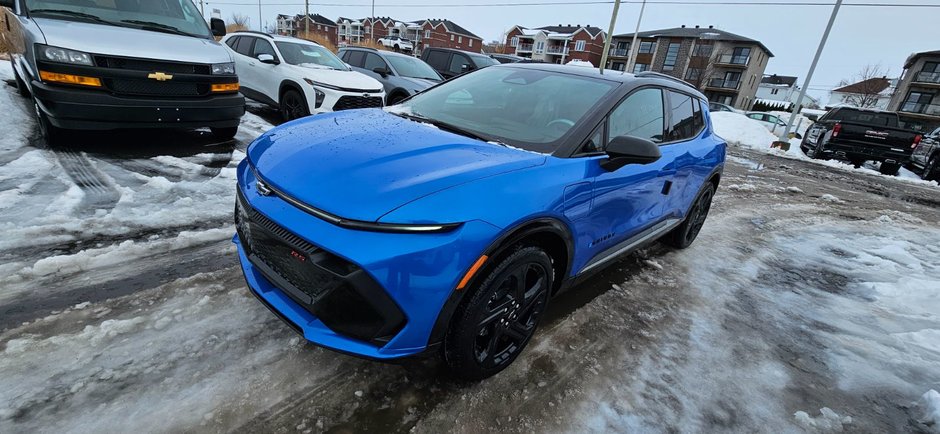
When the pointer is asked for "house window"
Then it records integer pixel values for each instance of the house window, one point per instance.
(319, 27)
(579, 45)
(917, 102)
(451, 38)
(369, 30)
(693, 74)
(470, 41)
(539, 47)
(740, 55)
(514, 42)
(672, 54)
(703, 50)
(647, 47)
(460, 39)
(774, 92)
(618, 66)
(640, 67)
(427, 34)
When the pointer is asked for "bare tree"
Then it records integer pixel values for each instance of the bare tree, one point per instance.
(239, 22)
(865, 88)
(701, 65)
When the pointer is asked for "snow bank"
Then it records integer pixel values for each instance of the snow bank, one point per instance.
(930, 401)
(827, 421)
(740, 130)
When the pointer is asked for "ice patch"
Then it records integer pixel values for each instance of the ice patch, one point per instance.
(930, 401)
(795, 190)
(742, 187)
(830, 198)
(828, 421)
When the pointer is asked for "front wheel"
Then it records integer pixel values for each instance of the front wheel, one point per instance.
(682, 236)
(491, 328)
(293, 105)
(20, 84)
(932, 169)
(51, 134)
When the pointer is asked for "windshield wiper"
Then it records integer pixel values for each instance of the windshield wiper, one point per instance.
(157, 27)
(71, 13)
(445, 126)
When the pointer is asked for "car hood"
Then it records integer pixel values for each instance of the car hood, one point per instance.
(361, 164)
(344, 79)
(419, 83)
(128, 42)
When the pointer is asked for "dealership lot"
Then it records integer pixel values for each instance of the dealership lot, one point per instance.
(123, 308)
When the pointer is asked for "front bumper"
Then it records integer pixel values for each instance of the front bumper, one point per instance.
(394, 273)
(86, 109)
(337, 100)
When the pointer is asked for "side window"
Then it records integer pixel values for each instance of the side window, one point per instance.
(756, 116)
(596, 142)
(232, 41)
(698, 118)
(374, 61)
(244, 45)
(438, 60)
(682, 119)
(356, 58)
(640, 115)
(344, 56)
(457, 61)
(263, 47)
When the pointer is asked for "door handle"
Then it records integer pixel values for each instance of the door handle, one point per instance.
(251, 63)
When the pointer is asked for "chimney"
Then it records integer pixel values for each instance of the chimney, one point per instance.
(696, 26)
(683, 26)
(711, 27)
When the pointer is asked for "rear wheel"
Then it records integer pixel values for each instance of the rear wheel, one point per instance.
(491, 328)
(889, 169)
(294, 105)
(226, 133)
(682, 236)
(932, 169)
(818, 150)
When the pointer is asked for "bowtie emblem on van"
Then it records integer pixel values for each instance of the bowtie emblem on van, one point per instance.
(159, 76)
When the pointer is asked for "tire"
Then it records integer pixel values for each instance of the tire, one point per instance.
(683, 236)
(20, 84)
(51, 134)
(932, 169)
(227, 133)
(818, 150)
(395, 99)
(857, 163)
(496, 321)
(889, 169)
(294, 105)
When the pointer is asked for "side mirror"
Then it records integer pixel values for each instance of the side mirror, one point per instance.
(267, 58)
(8, 4)
(216, 24)
(381, 71)
(624, 150)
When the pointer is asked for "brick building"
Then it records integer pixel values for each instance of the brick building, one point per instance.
(557, 44)
(296, 25)
(423, 33)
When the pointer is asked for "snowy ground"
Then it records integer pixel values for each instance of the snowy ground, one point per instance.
(810, 302)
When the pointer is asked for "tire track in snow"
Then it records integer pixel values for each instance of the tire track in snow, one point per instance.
(99, 193)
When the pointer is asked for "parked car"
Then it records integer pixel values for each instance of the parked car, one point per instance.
(401, 75)
(719, 107)
(926, 156)
(773, 123)
(103, 65)
(397, 43)
(450, 62)
(299, 77)
(860, 135)
(507, 58)
(445, 223)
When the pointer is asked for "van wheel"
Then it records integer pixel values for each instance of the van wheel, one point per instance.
(682, 236)
(226, 133)
(490, 329)
(51, 134)
(889, 169)
(20, 84)
(294, 105)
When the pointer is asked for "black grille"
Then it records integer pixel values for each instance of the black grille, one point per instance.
(357, 102)
(152, 66)
(156, 88)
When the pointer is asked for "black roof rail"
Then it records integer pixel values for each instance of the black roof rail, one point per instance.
(255, 32)
(654, 74)
(359, 47)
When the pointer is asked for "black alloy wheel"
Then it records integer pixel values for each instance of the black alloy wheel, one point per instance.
(490, 330)
(293, 105)
(683, 236)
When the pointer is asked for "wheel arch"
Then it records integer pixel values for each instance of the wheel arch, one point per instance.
(289, 84)
(394, 92)
(548, 233)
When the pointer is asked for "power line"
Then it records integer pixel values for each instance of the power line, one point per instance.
(598, 2)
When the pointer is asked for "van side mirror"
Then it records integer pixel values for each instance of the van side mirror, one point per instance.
(216, 24)
(624, 150)
(8, 3)
(267, 58)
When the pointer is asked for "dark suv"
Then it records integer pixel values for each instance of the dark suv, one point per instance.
(450, 62)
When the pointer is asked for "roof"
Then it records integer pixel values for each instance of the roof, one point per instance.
(913, 57)
(779, 79)
(568, 28)
(698, 33)
(869, 86)
(452, 27)
(319, 19)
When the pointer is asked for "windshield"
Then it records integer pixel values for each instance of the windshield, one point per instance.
(868, 118)
(169, 16)
(412, 67)
(525, 108)
(483, 61)
(316, 56)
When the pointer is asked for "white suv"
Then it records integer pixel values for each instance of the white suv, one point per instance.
(299, 77)
(397, 42)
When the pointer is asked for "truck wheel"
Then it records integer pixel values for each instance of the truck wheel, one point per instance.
(818, 150)
(889, 169)
(51, 134)
(682, 236)
(498, 319)
(293, 105)
(226, 133)
(20, 84)
(932, 169)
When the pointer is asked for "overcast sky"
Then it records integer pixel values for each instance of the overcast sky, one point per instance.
(861, 35)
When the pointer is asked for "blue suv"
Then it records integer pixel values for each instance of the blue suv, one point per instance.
(447, 223)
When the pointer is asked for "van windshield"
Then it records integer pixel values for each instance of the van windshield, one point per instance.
(167, 16)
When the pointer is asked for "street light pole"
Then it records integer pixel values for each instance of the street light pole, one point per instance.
(260, 21)
(634, 49)
(202, 8)
(307, 18)
(372, 22)
(812, 68)
(610, 32)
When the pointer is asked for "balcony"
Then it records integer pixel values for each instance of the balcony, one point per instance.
(927, 77)
(920, 109)
(722, 84)
(524, 47)
(557, 49)
(618, 52)
(732, 60)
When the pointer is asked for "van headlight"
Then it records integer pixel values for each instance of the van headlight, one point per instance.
(223, 68)
(63, 55)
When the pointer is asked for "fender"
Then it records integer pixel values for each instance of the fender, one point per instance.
(288, 83)
(499, 245)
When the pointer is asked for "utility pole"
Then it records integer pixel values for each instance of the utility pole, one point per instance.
(610, 32)
(372, 22)
(260, 21)
(634, 49)
(202, 8)
(307, 18)
(812, 68)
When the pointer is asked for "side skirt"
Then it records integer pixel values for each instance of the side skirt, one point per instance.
(631, 244)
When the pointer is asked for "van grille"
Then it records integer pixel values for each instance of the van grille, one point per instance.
(156, 88)
(152, 65)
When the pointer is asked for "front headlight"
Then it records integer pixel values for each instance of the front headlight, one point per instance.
(63, 55)
(318, 84)
(223, 69)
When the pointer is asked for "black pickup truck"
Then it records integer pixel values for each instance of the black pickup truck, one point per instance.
(860, 135)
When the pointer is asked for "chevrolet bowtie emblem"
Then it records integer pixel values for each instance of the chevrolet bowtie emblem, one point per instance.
(159, 76)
